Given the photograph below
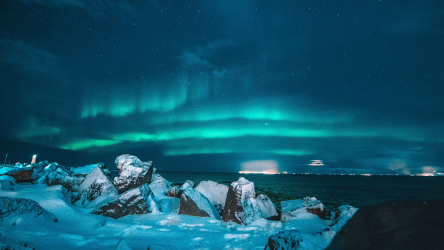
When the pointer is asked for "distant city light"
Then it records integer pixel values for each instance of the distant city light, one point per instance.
(258, 172)
(260, 167)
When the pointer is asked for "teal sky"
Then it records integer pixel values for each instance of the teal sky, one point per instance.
(211, 86)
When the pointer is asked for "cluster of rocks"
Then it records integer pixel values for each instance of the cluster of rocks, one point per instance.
(139, 189)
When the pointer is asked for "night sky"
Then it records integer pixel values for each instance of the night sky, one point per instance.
(227, 85)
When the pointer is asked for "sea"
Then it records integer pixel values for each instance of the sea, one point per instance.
(332, 190)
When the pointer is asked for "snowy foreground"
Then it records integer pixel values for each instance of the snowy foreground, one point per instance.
(76, 227)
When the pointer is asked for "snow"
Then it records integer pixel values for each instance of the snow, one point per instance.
(6, 184)
(216, 193)
(78, 229)
(16, 211)
(7, 177)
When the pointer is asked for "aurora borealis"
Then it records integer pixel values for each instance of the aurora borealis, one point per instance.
(213, 85)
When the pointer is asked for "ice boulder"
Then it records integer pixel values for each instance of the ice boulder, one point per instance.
(132, 172)
(309, 204)
(216, 193)
(6, 184)
(195, 204)
(268, 209)
(159, 186)
(241, 206)
(169, 205)
(133, 201)
(339, 218)
(95, 189)
(61, 177)
(15, 210)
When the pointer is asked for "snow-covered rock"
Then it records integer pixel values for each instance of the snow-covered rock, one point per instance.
(38, 169)
(133, 201)
(339, 218)
(297, 240)
(61, 177)
(16, 211)
(43, 175)
(309, 231)
(310, 204)
(216, 193)
(195, 204)
(132, 172)
(169, 205)
(268, 209)
(83, 171)
(6, 185)
(241, 206)
(7, 177)
(95, 189)
(23, 174)
(187, 184)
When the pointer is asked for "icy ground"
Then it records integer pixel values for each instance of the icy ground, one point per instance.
(78, 229)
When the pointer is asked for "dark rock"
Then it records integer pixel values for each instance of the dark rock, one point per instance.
(134, 201)
(406, 225)
(12, 209)
(21, 174)
(241, 206)
(195, 204)
(132, 172)
(174, 192)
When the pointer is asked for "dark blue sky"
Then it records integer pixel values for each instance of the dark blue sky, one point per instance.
(213, 85)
